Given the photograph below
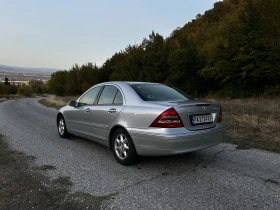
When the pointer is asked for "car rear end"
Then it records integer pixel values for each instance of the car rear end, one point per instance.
(177, 127)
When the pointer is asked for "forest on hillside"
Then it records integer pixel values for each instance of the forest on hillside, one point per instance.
(232, 50)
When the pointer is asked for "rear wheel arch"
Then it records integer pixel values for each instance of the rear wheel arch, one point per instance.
(123, 146)
(112, 131)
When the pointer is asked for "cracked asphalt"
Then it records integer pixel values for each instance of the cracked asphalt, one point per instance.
(220, 177)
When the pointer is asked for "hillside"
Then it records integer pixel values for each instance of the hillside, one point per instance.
(27, 69)
(231, 50)
(24, 74)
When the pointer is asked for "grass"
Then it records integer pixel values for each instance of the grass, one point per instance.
(252, 123)
(57, 102)
(25, 187)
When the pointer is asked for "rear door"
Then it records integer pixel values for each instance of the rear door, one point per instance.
(107, 108)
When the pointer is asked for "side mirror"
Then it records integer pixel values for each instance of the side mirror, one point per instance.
(72, 103)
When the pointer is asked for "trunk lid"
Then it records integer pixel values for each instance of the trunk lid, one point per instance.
(196, 115)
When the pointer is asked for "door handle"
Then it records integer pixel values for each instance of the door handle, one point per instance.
(87, 110)
(112, 110)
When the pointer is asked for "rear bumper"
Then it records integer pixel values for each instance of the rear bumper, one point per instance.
(161, 141)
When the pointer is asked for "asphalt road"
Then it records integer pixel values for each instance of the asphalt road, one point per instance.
(217, 178)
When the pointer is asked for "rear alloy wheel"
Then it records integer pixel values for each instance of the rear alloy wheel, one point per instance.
(123, 148)
(61, 127)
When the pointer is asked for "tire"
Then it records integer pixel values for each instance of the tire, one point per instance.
(61, 127)
(123, 148)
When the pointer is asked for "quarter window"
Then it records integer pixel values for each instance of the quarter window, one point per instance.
(108, 94)
(89, 97)
(118, 98)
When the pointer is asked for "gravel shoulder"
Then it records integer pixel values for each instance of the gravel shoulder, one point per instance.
(25, 187)
(216, 178)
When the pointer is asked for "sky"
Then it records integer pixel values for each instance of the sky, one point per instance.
(59, 33)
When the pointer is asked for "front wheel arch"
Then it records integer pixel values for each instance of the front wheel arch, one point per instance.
(58, 116)
(61, 119)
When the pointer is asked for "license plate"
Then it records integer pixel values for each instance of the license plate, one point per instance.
(201, 119)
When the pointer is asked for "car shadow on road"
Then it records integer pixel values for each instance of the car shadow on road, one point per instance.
(176, 163)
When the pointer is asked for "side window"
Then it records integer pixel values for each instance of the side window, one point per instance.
(108, 94)
(89, 97)
(118, 98)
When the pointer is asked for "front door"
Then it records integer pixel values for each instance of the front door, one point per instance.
(79, 117)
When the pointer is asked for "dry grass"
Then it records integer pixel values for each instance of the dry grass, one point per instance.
(252, 123)
(56, 101)
(10, 97)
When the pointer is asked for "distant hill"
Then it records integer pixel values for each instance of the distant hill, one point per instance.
(28, 69)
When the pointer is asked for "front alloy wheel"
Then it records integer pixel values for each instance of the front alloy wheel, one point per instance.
(61, 126)
(123, 148)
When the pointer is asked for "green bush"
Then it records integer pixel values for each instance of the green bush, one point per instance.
(37, 86)
(25, 91)
(8, 89)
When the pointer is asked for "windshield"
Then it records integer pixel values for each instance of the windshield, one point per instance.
(158, 92)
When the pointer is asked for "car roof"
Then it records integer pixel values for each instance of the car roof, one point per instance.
(131, 96)
(127, 82)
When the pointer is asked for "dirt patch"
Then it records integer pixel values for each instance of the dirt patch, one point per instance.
(25, 187)
(56, 102)
(252, 123)
(47, 167)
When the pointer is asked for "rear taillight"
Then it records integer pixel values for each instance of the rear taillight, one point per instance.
(220, 117)
(168, 119)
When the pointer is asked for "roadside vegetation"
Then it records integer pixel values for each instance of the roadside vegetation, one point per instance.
(25, 187)
(232, 50)
(8, 90)
(252, 123)
(10, 97)
(57, 101)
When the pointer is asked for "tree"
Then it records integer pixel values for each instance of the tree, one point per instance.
(6, 81)
(36, 86)
(57, 83)
(25, 90)
(233, 48)
(240, 56)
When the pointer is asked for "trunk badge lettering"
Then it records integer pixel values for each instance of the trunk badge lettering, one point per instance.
(182, 110)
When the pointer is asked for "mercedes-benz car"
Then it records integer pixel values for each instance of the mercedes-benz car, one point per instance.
(139, 118)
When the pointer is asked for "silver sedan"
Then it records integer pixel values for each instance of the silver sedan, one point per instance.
(138, 118)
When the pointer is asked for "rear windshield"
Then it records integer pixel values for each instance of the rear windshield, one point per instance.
(158, 92)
